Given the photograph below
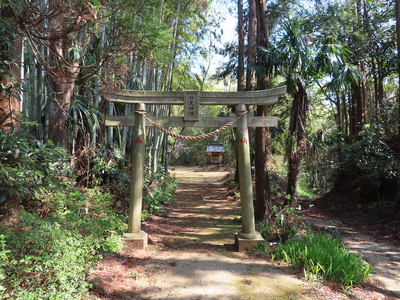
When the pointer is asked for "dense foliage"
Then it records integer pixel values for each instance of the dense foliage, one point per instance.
(159, 191)
(27, 165)
(280, 225)
(50, 243)
(55, 232)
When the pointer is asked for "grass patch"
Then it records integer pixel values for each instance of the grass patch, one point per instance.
(302, 191)
(323, 255)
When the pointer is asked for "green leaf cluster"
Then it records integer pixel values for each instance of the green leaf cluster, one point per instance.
(47, 252)
(159, 190)
(45, 261)
(26, 165)
(96, 166)
(60, 232)
(369, 158)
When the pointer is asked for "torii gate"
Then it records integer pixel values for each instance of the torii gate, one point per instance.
(191, 100)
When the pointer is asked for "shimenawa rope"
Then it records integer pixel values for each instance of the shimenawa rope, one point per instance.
(191, 138)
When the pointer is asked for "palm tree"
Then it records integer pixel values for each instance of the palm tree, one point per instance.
(398, 56)
(331, 60)
(292, 58)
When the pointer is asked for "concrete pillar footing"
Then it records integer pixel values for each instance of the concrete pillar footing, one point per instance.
(136, 240)
(244, 244)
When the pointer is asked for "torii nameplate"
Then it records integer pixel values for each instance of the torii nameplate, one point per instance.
(191, 106)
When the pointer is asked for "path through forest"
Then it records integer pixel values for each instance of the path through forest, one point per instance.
(191, 255)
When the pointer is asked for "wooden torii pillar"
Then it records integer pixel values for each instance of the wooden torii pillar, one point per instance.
(191, 100)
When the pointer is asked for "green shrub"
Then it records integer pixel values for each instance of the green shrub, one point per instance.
(45, 261)
(28, 165)
(159, 190)
(99, 166)
(370, 158)
(280, 225)
(3, 261)
(325, 256)
(87, 211)
(61, 231)
(48, 256)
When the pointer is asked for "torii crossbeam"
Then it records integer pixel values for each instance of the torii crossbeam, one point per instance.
(191, 100)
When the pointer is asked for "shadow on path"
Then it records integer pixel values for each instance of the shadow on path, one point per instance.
(191, 255)
(191, 252)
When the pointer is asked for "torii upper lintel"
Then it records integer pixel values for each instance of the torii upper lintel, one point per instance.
(262, 97)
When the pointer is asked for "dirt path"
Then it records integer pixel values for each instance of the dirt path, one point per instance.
(191, 255)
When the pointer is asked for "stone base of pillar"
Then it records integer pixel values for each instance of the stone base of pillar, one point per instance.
(136, 240)
(246, 244)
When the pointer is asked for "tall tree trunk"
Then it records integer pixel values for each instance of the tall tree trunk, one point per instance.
(357, 109)
(61, 83)
(378, 77)
(339, 122)
(240, 71)
(398, 61)
(170, 70)
(262, 186)
(62, 74)
(352, 112)
(345, 114)
(361, 102)
(297, 128)
(262, 38)
(10, 105)
(357, 101)
(251, 43)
